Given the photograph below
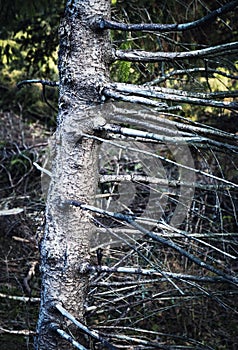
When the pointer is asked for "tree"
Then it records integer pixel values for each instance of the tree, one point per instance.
(84, 121)
(83, 66)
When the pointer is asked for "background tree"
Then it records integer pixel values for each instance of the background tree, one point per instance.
(174, 262)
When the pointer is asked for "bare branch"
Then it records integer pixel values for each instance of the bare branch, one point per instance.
(135, 99)
(117, 129)
(153, 272)
(187, 71)
(66, 336)
(84, 328)
(197, 171)
(166, 126)
(217, 236)
(141, 342)
(37, 81)
(13, 211)
(102, 23)
(18, 298)
(137, 115)
(130, 219)
(183, 252)
(44, 83)
(145, 56)
(43, 170)
(121, 91)
(149, 91)
(146, 344)
(161, 182)
(146, 332)
(25, 332)
(163, 138)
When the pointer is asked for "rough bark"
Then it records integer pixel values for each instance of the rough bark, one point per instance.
(83, 67)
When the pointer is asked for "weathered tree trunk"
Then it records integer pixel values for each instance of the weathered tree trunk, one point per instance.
(83, 67)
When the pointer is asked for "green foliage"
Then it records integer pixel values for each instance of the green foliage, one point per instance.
(29, 38)
(28, 49)
(122, 69)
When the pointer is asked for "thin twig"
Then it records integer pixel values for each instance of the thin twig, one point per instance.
(44, 83)
(46, 101)
(43, 170)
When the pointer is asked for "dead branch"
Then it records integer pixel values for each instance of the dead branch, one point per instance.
(129, 91)
(137, 115)
(37, 81)
(101, 23)
(187, 72)
(84, 328)
(153, 272)
(183, 166)
(130, 219)
(161, 182)
(54, 327)
(18, 298)
(147, 57)
(193, 139)
(25, 332)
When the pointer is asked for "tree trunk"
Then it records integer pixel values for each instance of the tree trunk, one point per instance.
(83, 67)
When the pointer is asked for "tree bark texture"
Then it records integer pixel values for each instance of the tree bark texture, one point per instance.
(84, 58)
